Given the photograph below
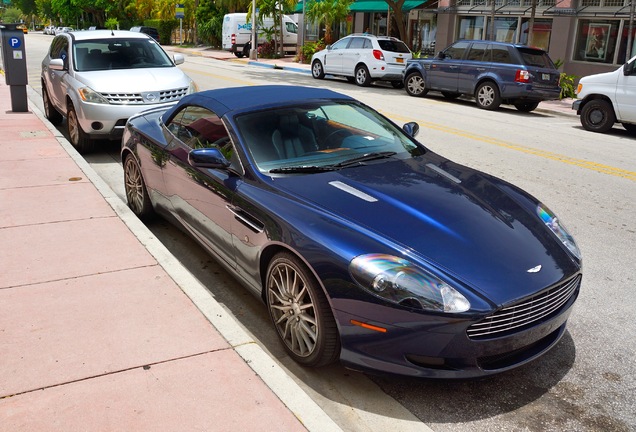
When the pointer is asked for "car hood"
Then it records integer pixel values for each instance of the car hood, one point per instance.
(469, 225)
(134, 80)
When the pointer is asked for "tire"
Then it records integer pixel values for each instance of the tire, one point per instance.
(51, 113)
(450, 95)
(363, 79)
(526, 106)
(79, 139)
(414, 85)
(397, 84)
(629, 127)
(136, 191)
(487, 96)
(238, 54)
(300, 312)
(317, 71)
(598, 116)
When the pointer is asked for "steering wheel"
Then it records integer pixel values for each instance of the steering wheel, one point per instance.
(333, 134)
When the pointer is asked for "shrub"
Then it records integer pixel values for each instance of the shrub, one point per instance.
(309, 49)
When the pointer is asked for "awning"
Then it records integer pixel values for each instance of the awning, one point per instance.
(371, 6)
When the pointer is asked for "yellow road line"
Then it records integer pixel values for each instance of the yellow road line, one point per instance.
(604, 169)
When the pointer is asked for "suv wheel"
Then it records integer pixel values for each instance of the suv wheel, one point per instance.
(526, 106)
(77, 136)
(487, 96)
(414, 85)
(598, 116)
(362, 76)
(51, 113)
(317, 70)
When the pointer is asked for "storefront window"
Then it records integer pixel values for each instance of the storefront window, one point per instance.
(596, 41)
(471, 28)
(506, 29)
(623, 44)
(542, 30)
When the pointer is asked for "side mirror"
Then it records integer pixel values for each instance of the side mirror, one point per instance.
(328, 47)
(178, 59)
(56, 64)
(207, 158)
(440, 55)
(628, 68)
(411, 128)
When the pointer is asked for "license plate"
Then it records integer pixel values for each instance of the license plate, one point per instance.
(399, 60)
(545, 77)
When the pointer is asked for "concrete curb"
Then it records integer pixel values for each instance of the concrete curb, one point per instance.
(277, 379)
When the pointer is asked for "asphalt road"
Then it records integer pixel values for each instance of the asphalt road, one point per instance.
(587, 382)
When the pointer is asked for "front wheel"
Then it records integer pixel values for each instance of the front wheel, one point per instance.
(80, 140)
(300, 312)
(487, 96)
(598, 116)
(363, 79)
(414, 85)
(317, 71)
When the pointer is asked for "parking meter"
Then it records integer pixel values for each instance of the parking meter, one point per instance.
(14, 65)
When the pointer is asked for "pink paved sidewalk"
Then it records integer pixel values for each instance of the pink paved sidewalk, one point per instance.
(94, 334)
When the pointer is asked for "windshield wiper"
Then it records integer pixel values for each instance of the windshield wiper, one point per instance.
(301, 169)
(364, 158)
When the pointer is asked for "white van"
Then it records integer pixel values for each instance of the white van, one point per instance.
(237, 32)
(607, 98)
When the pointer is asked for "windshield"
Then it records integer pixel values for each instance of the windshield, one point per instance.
(105, 54)
(321, 136)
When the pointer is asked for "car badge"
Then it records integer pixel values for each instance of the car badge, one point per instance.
(151, 97)
(536, 269)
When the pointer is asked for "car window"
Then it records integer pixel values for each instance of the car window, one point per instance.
(456, 51)
(198, 127)
(393, 46)
(533, 57)
(500, 54)
(477, 51)
(341, 44)
(357, 43)
(133, 53)
(291, 27)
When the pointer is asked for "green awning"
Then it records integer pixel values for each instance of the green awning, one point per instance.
(371, 6)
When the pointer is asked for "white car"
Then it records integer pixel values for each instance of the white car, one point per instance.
(98, 79)
(363, 58)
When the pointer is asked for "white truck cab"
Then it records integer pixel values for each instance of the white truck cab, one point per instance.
(606, 98)
(237, 32)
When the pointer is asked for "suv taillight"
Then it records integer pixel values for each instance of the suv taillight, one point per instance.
(378, 55)
(523, 76)
(233, 39)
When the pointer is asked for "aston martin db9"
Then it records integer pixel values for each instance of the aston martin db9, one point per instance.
(365, 246)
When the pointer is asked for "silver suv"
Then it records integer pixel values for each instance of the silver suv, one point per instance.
(363, 58)
(99, 79)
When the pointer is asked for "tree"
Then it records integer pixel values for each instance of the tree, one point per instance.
(328, 12)
(398, 16)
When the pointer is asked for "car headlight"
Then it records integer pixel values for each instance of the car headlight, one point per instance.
(556, 226)
(89, 95)
(192, 88)
(398, 281)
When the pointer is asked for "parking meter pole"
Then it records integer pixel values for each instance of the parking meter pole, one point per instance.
(14, 64)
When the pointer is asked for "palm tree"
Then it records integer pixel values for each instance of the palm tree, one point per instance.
(328, 12)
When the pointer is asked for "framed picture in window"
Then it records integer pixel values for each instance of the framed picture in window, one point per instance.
(597, 40)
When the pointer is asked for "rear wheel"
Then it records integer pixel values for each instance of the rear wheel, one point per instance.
(317, 70)
(487, 96)
(80, 140)
(300, 312)
(598, 116)
(136, 192)
(526, 106)
(414, 85)
(363, 79)
(51, 113)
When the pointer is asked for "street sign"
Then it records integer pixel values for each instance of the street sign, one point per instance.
(14, 42)
(180, 11)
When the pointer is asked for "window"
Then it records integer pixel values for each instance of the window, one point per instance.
(596, 41)
(541, 33)
(477, 52)
(500, 54)
(456, 51)
(357, 43)
(506, 29)
(471, 28)
(199, 127)
(341, 44)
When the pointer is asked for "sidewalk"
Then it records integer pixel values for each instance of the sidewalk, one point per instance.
(556, 107)
(100, 327)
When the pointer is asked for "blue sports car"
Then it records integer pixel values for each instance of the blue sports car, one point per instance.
(365, 246)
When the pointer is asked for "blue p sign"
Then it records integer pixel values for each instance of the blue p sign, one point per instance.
(14, 42)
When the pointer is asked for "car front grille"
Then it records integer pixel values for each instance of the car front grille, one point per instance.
(521, 315)
(146, 97)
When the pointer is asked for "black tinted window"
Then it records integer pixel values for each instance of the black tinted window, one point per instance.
(393, 46)
(500, 54)
(456, 51)
(532, 57)
(477, 51)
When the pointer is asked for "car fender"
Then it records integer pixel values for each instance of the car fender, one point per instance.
(488, 76)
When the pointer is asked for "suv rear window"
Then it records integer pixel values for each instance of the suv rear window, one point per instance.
(538, 58)
(393, 46)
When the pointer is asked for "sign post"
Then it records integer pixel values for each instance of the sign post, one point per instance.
(180, 14)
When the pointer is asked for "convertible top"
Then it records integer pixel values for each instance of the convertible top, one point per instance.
(222, 101)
